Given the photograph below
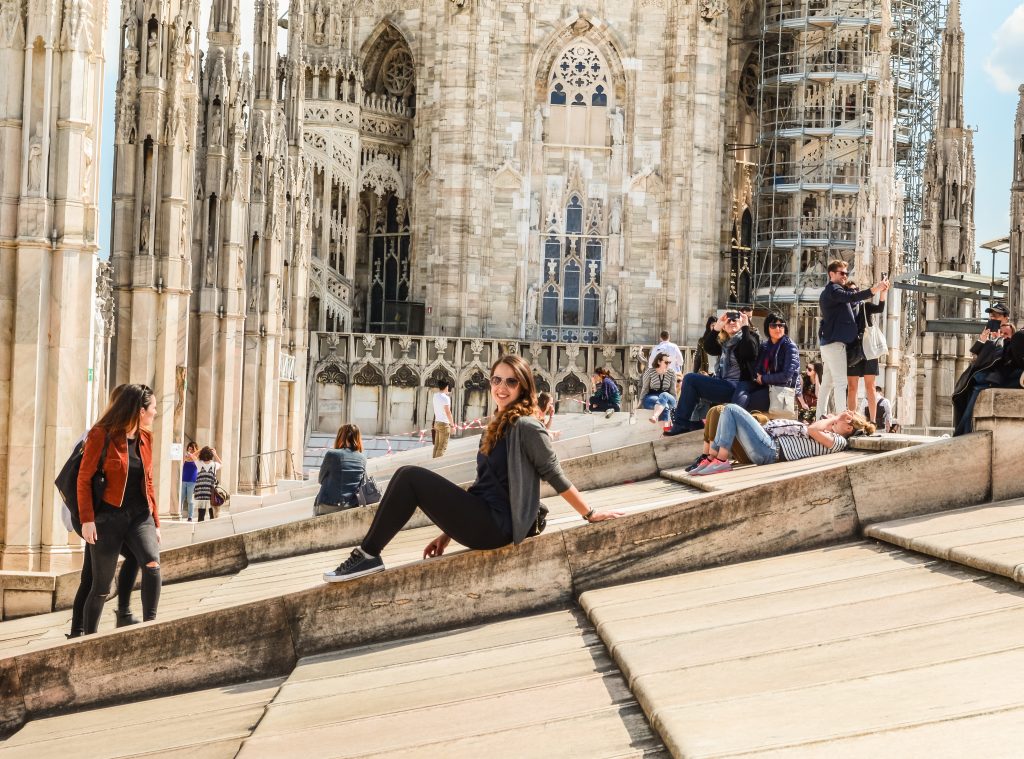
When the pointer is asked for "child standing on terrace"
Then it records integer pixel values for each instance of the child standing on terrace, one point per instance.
(501, 507)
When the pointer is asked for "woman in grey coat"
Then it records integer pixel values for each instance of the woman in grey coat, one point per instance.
(501, 506)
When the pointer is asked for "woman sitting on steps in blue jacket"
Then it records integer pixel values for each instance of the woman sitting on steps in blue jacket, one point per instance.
(778, 363)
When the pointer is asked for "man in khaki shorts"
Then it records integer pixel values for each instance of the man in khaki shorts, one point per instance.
(443, 421)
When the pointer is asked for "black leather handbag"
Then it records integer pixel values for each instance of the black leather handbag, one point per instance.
(67, 483)
(368, 492)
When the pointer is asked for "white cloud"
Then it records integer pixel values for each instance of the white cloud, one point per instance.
(1005, 64)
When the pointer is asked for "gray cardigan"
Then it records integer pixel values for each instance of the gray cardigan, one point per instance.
(530, 459)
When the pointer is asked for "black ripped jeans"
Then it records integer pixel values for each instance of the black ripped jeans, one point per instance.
(137, 531)
(125, 583)
(462, 516)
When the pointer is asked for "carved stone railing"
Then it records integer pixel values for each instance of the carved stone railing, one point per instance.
(333, 289)
(351, 372)
(331, 112)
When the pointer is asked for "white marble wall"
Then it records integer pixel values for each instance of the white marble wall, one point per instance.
(49, 152)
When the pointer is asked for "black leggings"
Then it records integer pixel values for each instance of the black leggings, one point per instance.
(125, 583)
(462, 516)
(136, 530)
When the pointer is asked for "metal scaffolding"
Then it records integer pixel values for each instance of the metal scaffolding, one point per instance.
(820, 69)
(916, 46)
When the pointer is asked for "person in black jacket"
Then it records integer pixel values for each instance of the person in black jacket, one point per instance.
(998, 362)
(866, 367)
(778, 363)
(838, 329)
(736, 345)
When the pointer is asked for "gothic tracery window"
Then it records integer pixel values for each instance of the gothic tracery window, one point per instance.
(573, 266)
(578, 98)
(388, 245)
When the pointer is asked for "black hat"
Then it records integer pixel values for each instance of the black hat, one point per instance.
(998, 308)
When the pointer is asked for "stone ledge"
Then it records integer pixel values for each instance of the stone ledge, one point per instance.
(23, 594)
(232, 553)
(261, 639)
(1001, 412)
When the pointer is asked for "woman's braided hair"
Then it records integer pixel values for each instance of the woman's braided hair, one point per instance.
(524, 405)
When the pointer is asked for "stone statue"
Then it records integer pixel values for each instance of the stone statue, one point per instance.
(216, 125)
(87, 158)
(257, 178)
(538, 124)
(183, 235)
(152, 55)
(615, 219)
(35, 161)
(534, 210)
(531, 305)
(618, 126)
(190, 55)
(319, 18)
(611, 306)
(144, 231)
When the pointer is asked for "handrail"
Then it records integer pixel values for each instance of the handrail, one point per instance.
(261, 470)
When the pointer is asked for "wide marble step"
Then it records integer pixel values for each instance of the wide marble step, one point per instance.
(857, 650)
(542, 684)
(988, 537)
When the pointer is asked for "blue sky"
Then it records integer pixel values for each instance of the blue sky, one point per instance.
(995, 67)
(994, 34)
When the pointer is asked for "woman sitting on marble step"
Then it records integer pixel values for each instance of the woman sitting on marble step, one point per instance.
(779, 439)
(501, 507)
(341, 472)
(127, 512)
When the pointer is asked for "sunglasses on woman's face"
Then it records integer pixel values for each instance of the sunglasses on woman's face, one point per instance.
(510, 382)
(779, 325)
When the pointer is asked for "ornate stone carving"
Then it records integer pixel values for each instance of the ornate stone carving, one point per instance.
(75, 20)
(405, 377)
(381, 176)
(368, 375)
(712, 9)
(440, 375)
(571, 385)
(477, 381)
(12, 24)
(332, 374)
(399, 72)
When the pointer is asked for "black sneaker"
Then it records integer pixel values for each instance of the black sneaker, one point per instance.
(356, 565)
(697, 462)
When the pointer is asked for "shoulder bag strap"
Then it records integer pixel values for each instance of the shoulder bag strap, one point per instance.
(103, 455)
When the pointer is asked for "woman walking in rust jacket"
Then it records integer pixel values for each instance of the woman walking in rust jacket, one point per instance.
(120, 446)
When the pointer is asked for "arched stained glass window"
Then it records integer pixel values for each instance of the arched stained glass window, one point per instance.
(578, 98)
(573, 262)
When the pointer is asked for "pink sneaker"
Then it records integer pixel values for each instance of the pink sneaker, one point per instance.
(714, 466)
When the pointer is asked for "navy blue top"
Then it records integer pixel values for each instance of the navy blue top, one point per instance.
(838, 324)
(189, 470)
(491, 484)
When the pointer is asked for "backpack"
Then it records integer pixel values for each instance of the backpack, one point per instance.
(67, 482)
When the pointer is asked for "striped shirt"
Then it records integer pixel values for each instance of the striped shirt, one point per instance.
(793, 443)
(652, 382)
